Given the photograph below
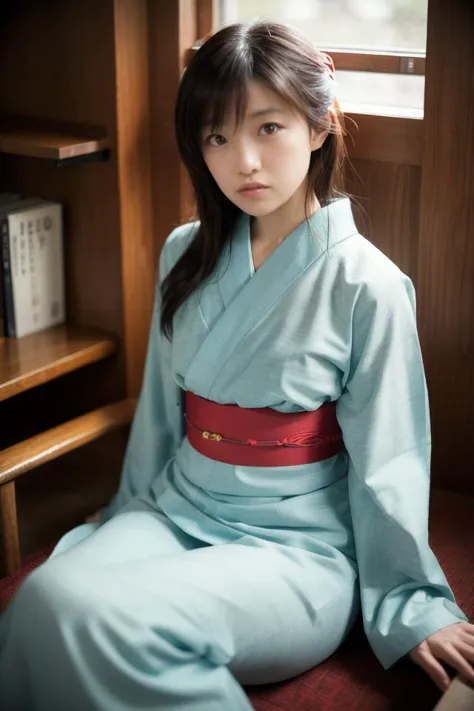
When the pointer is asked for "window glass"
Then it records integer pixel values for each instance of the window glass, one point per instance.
(362, 24)
(398, 93)
(386, 25)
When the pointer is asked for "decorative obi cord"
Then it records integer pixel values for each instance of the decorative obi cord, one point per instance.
(261, 437)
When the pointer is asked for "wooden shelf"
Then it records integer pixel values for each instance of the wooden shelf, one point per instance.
(40, 138)
(49, 445)
(36, 359)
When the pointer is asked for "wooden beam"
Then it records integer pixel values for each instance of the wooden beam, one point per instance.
(46, 446)
(446, 245)
(9, 528)
(134, 179)
(174, 27)
(205, 17)
(189, 29)
(356, 61)
(379, 62)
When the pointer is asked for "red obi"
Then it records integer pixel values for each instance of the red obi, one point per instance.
(261, 437)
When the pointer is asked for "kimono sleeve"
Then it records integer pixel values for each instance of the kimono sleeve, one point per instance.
(157, 429)
(383, 413)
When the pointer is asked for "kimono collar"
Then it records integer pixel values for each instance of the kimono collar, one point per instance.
(248, 296)
(334, 222)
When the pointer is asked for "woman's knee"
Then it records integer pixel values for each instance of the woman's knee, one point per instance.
(55, 588)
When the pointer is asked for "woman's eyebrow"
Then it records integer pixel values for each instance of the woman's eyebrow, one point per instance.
(254, 114)
(264, 112)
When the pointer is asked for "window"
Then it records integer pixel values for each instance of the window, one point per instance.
(386, 39)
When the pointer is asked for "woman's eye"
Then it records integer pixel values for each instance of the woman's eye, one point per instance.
(215, 140)
(269, 129)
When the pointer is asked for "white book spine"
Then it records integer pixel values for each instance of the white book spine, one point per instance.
(37, 268)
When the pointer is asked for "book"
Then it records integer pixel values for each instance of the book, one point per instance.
(8, 202)
(33, 266)
(6, 199)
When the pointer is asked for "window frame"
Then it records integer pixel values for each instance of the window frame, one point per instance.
(380, 62)
(354, 60)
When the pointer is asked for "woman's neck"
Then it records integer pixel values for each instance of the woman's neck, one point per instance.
(272, 229)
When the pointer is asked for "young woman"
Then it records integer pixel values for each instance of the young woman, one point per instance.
(277, 476)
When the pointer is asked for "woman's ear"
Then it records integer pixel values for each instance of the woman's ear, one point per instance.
(317, 139)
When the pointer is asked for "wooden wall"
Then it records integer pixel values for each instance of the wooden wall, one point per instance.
(446, 240)
(413, 183)
(386, 199)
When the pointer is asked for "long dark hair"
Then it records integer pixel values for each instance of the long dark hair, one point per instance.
(215, 80)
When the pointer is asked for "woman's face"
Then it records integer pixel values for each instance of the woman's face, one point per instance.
(271, 147)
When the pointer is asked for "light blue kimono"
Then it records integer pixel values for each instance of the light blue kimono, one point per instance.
(204, 576)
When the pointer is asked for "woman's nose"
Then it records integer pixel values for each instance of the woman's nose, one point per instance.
(248, 159)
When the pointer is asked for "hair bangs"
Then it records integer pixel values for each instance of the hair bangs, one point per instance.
(227, 104)
(217, 86)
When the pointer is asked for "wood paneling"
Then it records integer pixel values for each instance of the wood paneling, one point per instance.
(134, 176)
(206, 17)
(391, 139)
(164, 79)
(173, 26)
(386, 203)
(192, 21)
(446, 240)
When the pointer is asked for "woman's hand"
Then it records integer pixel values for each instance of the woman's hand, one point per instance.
(453, 644)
